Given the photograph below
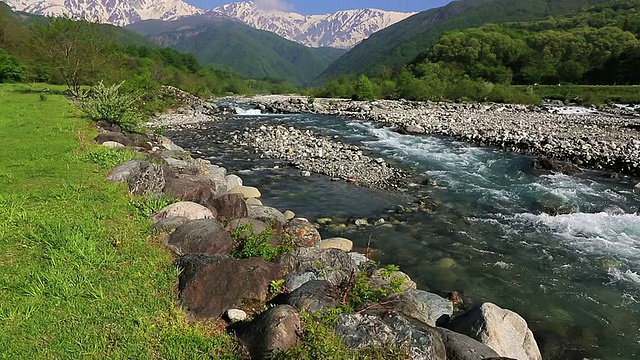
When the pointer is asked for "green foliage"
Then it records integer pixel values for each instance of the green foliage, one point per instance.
(363, 90)
(277, 286)
(112, 105)
(109, 158)
(147, 206)
(586, 94)
(249, 244)
(11, 70)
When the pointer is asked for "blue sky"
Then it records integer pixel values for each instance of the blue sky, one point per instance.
(328, 6)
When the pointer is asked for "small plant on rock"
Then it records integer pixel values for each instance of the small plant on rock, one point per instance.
(250, 244)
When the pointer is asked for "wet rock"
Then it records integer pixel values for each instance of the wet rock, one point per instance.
(115, 137)
(545, 166)
(266, 214)
(230, 206)
(332, 265)
(246, 191)
(303, 232)
(337, 243)
(149, 181)
(462, 347)
(204, 236)
(205, 293)
(126, 171)
(502, 330)
(188, 210)
(420, 342)
(429, 308)
(277, 329)
(314, 296)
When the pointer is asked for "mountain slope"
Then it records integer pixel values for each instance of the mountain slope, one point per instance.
(342, 29)
(400, 43)
(116, 12)
(216, 41)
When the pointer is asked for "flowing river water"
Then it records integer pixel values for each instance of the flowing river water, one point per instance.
(490, 235)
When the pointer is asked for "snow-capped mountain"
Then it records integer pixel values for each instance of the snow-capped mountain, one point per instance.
(116, 12)
(343, 29)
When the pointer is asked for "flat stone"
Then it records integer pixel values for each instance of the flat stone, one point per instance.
(337, 243)
(246, 191)
(112, 145)
(185, 209)
(254, 202)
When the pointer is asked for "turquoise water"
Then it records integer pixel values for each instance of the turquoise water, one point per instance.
(487, 234)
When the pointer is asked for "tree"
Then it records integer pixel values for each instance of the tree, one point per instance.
(77, 50)
(364, 89)
(10, 68)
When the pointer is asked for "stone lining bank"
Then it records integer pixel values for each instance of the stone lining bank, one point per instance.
(318, 273)
(600, 141)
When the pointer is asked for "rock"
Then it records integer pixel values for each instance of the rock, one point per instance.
(233, 181)
(337, 243)
(115, 137)
(169, 224)
(545, 166)
(166, 143)
(266, 214)
(188, 210)
(246, 191)
(380, 279)
(358, 259)
(462, 347)
(150, 180)
(230, 206)
(101, 124)
(325, 221)
(188, 190)
(204, 236)
(205, 293)
(429, 308)
(418, 341)
(253, 202)
(414, 129)
(236, 315)
(637, 187)
(256, 226)
(296, 280)
(314, 296)
(332, 265)
(361, 222)
(126, 171)
(275, 330)
(305, 173)
(303, 232)
(112, 145)
(502, 330)
(555, 205)
(181, 166)
(289, 215)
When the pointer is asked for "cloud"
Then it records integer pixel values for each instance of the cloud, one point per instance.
(280, 5)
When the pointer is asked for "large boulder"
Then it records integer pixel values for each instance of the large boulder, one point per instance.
(180, 166)
(114, 136)
(122, 173)
(429, 308)
(303, 232)
(185, 209)
(266, 214)
(276, 329)
(462, 347)
(188, 190)
(332, 265)
(169, 224)
(502, 330)
(150, 180)
(230, 206)
(209, 285)
(420, 342)
(204, 236)
(314, 296)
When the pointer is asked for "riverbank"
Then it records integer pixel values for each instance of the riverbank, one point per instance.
(597, 140)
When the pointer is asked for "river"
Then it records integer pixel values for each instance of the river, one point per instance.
(488, 233)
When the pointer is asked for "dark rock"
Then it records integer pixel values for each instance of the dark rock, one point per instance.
(230, 206)
(189, 190)
(126, 171)
(276, 329)
(546, 166)
(180, 166)
(209, 285)
(314, 296)
(332, 265)
(418, 341)
(303, 232)
(169, 224)
(149, 181)
(114, 136)
(462, 347)
(429, 308)
(101, 124)
(555, 347)
(203, 236)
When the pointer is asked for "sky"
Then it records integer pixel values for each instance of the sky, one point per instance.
(309, 7)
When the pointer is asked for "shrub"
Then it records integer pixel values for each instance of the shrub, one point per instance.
(110, 104)
(249, 244)
(10, 69)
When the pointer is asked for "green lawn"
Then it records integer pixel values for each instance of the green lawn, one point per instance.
(80, 276)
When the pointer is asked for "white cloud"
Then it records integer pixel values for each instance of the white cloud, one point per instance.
(280, 5)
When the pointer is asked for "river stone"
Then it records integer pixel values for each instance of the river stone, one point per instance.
(114, 136)
(379, 279)
(546, 166)
(112, 145)
(233, 181)
(502, 330)
(166, 143)
(246, 191)
(181, 166)
(289, 215)
(236, 315)
(150, 180)
(266, 214)
(332, 265)
(462, 347)
(186, 209)
(314, 296)
(189, 190)
(420, 342)
(205, 293)
(203, 236)
(125, 171)
(275, 330)
(303, 232)
(337, 243)
(429, 308)
(253, 202)
(230, 206)
(169, 224)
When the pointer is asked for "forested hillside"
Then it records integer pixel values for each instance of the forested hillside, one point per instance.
(400, 43)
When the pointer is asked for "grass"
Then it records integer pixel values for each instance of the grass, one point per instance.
(81, 278)
(588, 94)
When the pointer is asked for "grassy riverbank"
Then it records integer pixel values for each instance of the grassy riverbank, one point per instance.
(81, 278)
(587, 94)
